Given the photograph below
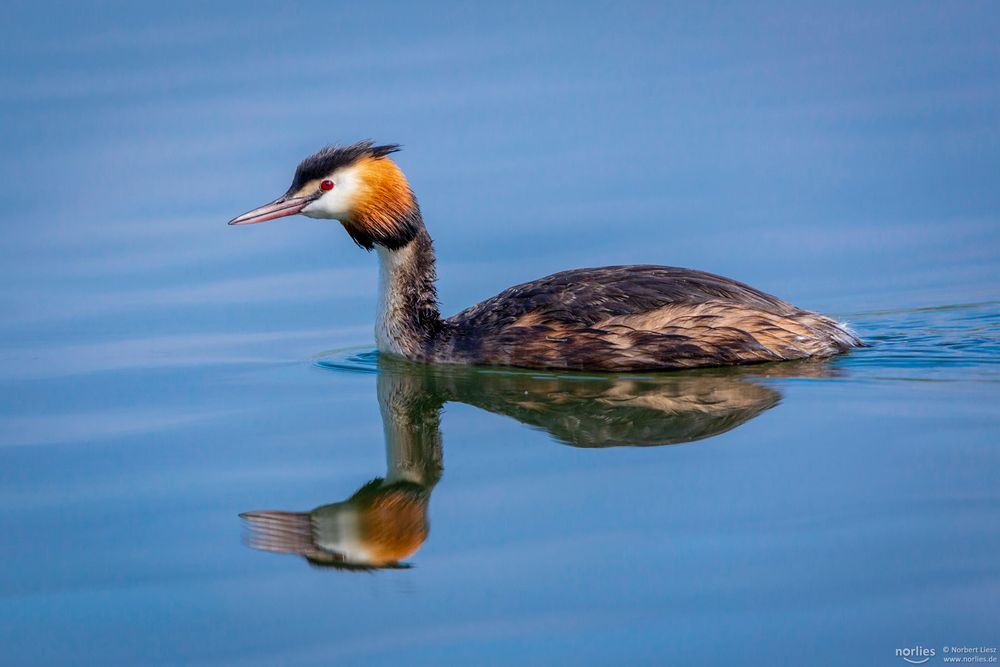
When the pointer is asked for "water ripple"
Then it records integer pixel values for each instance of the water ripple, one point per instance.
(936, 341)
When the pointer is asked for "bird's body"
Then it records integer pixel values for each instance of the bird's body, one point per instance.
(616, 318)
(621, 318)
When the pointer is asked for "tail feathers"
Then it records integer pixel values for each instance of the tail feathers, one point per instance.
(838, 336)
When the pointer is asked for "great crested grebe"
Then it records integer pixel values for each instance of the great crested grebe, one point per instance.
(615, 318)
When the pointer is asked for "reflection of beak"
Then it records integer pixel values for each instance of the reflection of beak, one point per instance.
(279, 208)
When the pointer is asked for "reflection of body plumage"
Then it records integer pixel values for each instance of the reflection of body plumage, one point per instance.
(615, 318)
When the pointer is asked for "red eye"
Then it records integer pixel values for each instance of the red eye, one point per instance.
(326, 185)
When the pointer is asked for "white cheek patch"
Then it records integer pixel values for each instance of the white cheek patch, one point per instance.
(338, 203)
(340, 532)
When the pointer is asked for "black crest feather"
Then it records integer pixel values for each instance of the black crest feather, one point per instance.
(332, 157)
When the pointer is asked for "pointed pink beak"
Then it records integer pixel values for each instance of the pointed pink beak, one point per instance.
(279, 208)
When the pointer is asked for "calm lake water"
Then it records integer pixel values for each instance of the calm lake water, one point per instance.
(162, 374)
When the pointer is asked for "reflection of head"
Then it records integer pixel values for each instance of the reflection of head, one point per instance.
(377, 527)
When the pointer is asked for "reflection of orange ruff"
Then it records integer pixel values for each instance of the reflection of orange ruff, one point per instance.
(387, 524)
(393, 520)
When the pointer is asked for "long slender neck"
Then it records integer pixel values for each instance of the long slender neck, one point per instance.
(408, 317)
(411, 419)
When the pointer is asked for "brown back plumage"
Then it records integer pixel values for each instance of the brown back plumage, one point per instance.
(621, 318)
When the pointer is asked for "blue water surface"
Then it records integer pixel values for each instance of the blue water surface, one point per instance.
(162, 373)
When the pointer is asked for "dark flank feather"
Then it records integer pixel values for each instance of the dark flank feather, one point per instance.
(621, 318)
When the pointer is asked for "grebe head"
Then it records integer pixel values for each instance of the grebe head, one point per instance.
(360, 186)
(377, 527)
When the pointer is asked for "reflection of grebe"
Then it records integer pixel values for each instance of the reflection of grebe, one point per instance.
(385, 521)
(614, 318)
